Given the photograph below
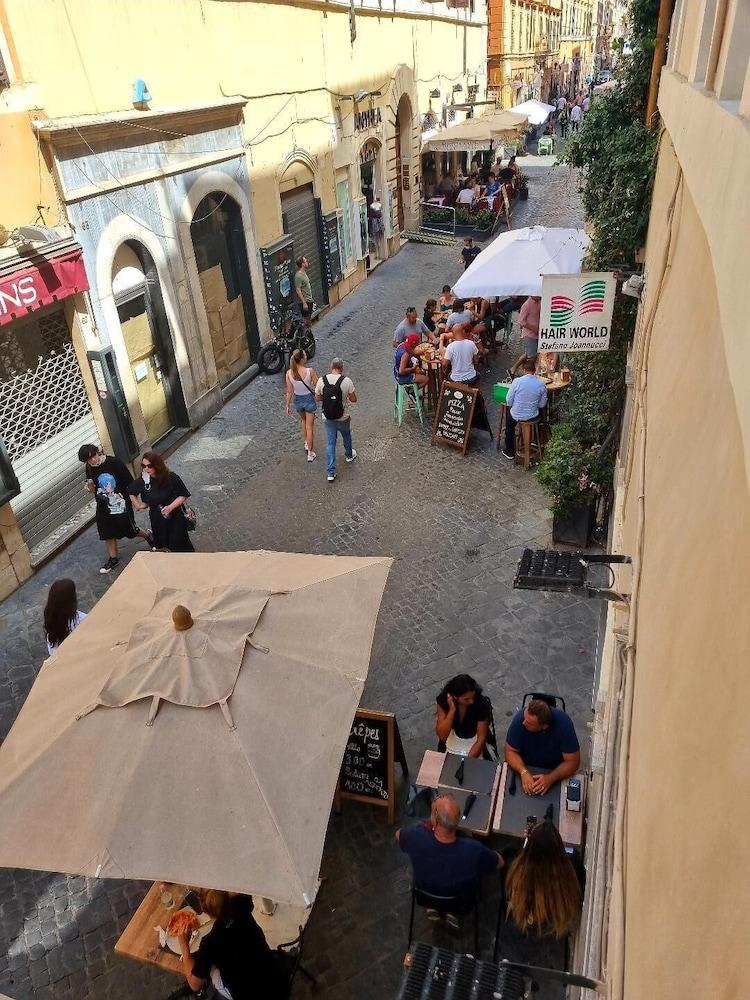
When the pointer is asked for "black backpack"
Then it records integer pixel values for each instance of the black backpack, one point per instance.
(333, 399)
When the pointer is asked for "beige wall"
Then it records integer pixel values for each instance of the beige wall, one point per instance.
(25, 181)
(687, 895)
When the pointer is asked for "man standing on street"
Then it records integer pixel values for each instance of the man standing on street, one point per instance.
(576, 113)
(336, 391)
(529, 316)
(469, 253)
(303, 291)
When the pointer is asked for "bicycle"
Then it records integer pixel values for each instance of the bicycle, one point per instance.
(292, 336)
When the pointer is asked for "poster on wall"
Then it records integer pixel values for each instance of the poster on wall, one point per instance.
(331, 249)
(277, 263)
(576, 312)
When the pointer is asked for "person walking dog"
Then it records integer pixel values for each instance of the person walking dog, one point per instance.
(336, 392)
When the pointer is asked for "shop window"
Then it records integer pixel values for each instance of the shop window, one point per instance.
(344, 203)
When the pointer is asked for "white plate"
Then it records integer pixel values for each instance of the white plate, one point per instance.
(206, 924)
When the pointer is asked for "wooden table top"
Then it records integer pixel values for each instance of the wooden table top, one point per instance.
(140, 941)
(569, 823)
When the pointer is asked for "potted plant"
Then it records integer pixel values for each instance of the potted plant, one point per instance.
(523, 187)
(574, 475)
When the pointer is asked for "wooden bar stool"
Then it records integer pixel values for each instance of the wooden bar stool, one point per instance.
(527, 437)
(500, 442)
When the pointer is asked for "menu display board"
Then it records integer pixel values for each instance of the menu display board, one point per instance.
(331, 249)
(453, 415)
(373, 746)
(277, 263)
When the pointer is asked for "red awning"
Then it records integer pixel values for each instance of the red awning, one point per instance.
(44, 283)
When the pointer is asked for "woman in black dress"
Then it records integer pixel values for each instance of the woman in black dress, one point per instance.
(108, 479)
(462, 718)
(164, 493)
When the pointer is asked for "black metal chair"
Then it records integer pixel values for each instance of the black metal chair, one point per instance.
(459, 906)
(289, 957)
(550, 699)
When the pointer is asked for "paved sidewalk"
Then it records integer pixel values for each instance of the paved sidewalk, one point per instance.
(455, 528)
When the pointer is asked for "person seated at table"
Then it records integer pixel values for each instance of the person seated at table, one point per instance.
(461, 314)
(544, 737)
(430, 316)
(493, 185)
(462, 717)
(447, 298)
(466, 196)
(526, 397)
(547, 362)
(512, 165)
(234, 954)
(406, 369)
(410, 324)
(458, 361)
(480, 309)
(543, 887)
(443, 863)
(507, 175)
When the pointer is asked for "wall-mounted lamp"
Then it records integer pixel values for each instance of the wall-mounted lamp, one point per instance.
(141, 95)
(435, 93)
(457, 87)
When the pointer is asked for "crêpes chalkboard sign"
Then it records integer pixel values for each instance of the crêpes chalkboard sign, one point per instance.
(453, 417)
(373, 746)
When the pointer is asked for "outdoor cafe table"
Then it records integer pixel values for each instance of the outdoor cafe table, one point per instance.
(481, 777)
(140, 941)
(511, 810)
(434, 370)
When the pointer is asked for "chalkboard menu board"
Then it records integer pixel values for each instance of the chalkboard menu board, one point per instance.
(277, 262)
(455, 409)
(331, 249)
(373, 746)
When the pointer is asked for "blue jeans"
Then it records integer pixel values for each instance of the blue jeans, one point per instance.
(334, 428)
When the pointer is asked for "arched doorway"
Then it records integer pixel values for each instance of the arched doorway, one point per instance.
(148, 342)
(370, 167)
(403, 157)
(301, 218)
(220, 251)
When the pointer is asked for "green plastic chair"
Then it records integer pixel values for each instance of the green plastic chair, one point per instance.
(546, 145)
(399, 405)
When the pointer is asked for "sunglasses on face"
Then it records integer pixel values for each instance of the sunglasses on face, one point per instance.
(146, 465)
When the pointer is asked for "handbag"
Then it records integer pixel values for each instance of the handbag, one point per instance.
(191, 516)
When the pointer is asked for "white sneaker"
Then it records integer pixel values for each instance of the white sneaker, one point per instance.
(332, 478)
(351, 457)
(311, 456)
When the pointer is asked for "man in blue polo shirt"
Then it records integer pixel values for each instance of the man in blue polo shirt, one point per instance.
(444, 863)
(541, 736)
(526, 397)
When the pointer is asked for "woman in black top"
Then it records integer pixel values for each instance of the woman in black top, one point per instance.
(462, 717)
(430, 310)
(108, 479)
(164, 493)
(234, 954)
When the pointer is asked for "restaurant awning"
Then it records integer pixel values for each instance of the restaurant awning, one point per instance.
(475, 133)
(516, 261)
(207, 756)
(48, 273)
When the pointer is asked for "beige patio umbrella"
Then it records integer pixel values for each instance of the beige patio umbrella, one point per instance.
(206, 755)
(475, 133)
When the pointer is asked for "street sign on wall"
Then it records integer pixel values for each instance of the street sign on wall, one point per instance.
(576, 311)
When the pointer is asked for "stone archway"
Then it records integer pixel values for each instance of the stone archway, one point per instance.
(404, 131)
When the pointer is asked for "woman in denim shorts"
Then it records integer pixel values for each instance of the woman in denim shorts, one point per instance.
(300, 390)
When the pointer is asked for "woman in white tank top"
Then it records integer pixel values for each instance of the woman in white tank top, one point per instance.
(300, 390)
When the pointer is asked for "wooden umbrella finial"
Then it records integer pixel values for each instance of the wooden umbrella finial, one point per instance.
(182, 618)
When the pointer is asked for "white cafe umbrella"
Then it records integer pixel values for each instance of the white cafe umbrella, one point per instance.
(514, 263)
(537, 111)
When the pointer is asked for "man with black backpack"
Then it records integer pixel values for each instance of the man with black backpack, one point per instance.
(336, 391)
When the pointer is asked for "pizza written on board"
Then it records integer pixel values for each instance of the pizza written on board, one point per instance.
(183, 922)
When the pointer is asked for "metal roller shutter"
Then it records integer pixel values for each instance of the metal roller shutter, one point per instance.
(45, 417)
(301, 223)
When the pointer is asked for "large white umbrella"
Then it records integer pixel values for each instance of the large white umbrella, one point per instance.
(209, 755)
(515, 262)
(537, 111)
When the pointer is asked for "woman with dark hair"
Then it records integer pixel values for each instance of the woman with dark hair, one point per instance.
(462, 717)
(61, 614)
(542, 886)
(234, 954)
(428, 317)
(164, 494)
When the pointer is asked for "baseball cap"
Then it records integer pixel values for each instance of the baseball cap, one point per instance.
(412, 340)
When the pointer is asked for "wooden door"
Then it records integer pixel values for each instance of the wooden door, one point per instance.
(145, 363)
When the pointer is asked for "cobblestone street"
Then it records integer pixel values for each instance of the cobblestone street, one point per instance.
(455, 528)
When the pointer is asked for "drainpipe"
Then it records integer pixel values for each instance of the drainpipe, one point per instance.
(660, 54)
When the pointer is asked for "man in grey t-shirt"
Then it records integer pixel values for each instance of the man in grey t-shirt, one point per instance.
(411, 324)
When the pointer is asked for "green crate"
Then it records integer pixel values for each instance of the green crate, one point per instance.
(500, 391)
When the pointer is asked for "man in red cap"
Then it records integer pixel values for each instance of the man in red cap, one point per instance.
(406, 368)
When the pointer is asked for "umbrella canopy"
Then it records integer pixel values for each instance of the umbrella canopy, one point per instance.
(207, 756)
(515, 262)
(474, 133)
(537, 111)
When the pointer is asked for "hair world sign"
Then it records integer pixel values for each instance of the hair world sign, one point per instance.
(576, 311)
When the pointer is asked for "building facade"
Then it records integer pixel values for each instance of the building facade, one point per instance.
(576, 54)
(523, 38)
(185, 177)
(667, 911)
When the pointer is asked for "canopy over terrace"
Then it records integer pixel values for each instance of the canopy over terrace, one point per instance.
(475, 134)
(207, 756)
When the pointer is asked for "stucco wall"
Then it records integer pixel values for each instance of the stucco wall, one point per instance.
(25, 181)
(687, 895)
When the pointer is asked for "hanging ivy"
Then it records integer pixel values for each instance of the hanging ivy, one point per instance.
(615, 154)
